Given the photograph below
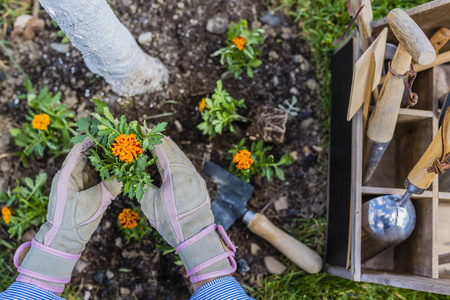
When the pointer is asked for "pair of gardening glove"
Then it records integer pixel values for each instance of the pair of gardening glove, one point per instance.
(179, 210)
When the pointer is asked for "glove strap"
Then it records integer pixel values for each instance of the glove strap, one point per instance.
(42, 260)
(228, 254)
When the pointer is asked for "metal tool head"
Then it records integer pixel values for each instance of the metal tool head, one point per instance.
(232, 195)
(387, 221)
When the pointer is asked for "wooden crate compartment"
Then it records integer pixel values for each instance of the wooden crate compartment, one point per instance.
(414, 264)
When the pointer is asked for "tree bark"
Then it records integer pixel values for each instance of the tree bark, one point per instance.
(108, 48)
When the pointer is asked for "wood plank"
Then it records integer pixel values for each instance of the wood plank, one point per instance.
(441, 286)
(444, 195)
(430, 17)
(407, 115)
(414, 256)
(338, 271)
(435, 216)
(371, 190)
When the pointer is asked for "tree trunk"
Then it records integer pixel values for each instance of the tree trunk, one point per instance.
(108, 48)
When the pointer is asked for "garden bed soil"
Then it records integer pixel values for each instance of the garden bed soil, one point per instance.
(181, 41)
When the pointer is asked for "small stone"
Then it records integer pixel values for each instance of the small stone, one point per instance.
(180, 5)
(254, 248)
(242, 266)
(178, 126)
(118, 242)
(306, 123)
(127, 2)
(274, 55)
(304, 63)
(270, 20)
(281, 203)
(80, 266)
(145, 38)
(133, 8)
(218, 24)
(294, 155)
(312, 84)
(87, 295)
(109, 274)
(28, 235)
(130, 254)
(317, 148)
(306, 150)
(21, 21)
(286, 33)
(273, 266)
(5, 166)
(275, 80)
(98, 277)
(294, 91)
(125, 291)
(60, 48)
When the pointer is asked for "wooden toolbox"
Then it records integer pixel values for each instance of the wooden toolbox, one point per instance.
(414, 264)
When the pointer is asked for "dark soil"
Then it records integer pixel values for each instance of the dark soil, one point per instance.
(181, 41)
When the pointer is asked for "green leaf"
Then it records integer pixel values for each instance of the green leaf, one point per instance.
(255, 63)
(108, 114)
(279, 173)
(160, 127)
(249, 72)
(100, 105)
(83, 125)
(15, 131)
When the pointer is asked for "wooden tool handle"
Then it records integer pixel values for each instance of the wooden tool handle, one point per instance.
(419, 175)
(293, 249)
(440, 38)
(384, 117)
(364, 20)
(441, 58)
(411, 36)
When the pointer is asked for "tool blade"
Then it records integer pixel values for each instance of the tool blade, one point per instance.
(232, 195)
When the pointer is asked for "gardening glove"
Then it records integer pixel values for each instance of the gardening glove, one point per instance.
(180, 211)
(76, 205)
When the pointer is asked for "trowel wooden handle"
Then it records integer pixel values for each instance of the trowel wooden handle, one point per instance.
(419, 175)
(440, 38)
(364, 20)
(413, 44)
(293, 249)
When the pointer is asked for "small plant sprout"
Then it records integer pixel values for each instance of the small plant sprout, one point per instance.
(246, 163)
(219, 112)
(25, 205)
(120, 148)
(241, 53)
(289, 107)
(49, 127)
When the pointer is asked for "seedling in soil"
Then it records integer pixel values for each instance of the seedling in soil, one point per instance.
(219, 111)
(289, 107)
(131, 222)
(120, 148)
(49, 127)
(24, 206)
(246, 163)
(241, 52)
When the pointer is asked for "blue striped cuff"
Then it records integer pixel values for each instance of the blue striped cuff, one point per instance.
(25, 291)
(224, 288)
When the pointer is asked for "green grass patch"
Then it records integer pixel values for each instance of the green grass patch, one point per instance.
(10, 10)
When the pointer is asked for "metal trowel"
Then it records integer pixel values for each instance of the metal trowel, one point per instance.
(229, 204)
(390, 219)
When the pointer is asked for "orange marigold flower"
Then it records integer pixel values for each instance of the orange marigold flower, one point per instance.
(202, 105)
(126, 147)
(40, 121)
(6, 214)
(242, 159)
(239, 42)
(128, 218)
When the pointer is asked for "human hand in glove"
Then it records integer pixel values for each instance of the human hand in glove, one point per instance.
(76, 205)
(180, 211)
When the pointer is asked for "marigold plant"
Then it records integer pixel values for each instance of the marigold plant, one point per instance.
(120, 148)
(219, 112)
(49, 128)
(133, 224)
(29, 200)
(246, 163)
(241, 52)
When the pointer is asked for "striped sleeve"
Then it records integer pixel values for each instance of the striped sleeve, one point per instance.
(25, 291)
(224, 288)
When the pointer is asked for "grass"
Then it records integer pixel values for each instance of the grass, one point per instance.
(296, 284)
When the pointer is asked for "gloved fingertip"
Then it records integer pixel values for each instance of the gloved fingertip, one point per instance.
(113, 186)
